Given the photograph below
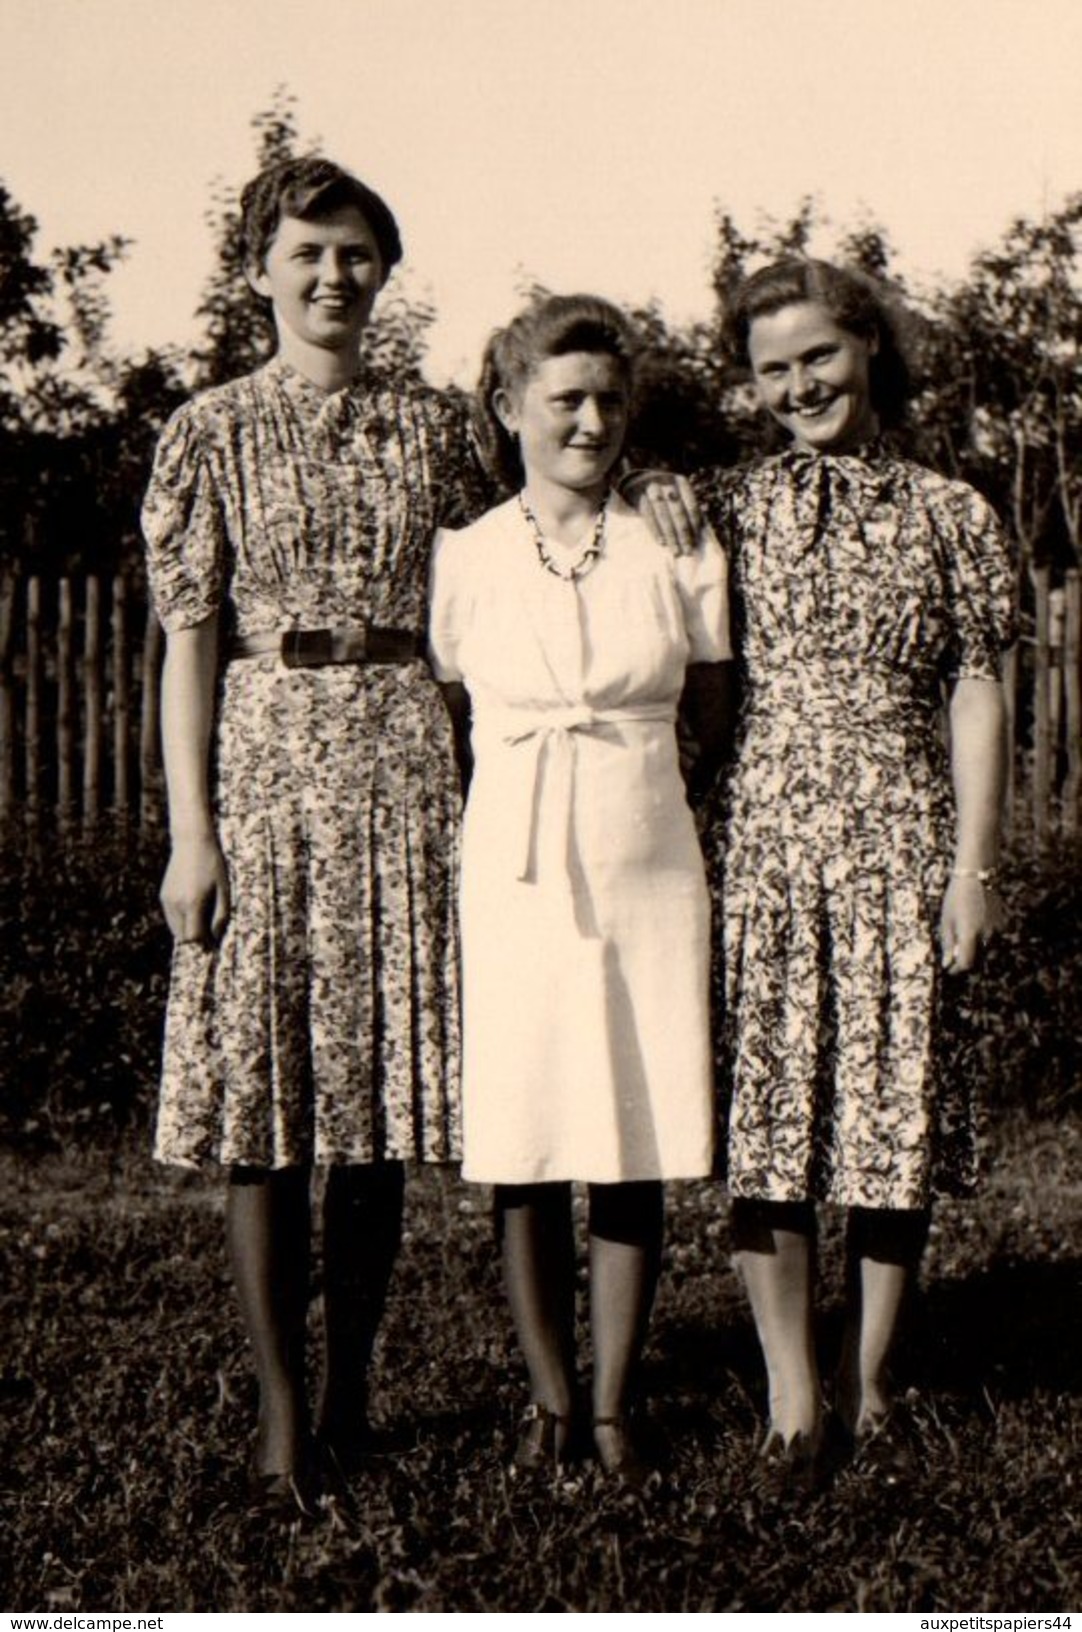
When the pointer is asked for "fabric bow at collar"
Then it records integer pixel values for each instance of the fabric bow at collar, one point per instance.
(836, 496)
(859, 475)
(335, 415)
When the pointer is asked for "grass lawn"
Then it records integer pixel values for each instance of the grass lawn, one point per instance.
(127, 1409)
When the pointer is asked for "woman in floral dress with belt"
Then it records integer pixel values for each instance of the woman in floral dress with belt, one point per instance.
(313, 798)
(864, 587)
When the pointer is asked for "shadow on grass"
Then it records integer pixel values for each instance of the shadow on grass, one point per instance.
(1014, 1328)
(705, 1383)
(689, 1356)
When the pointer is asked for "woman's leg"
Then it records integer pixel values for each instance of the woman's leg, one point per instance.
(362, 1232)
(883, 1250)
(534, 1228)
(626, 1228)
(267, 1231)
(774, 1244)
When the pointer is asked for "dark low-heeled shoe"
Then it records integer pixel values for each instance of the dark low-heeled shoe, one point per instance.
(287, 1493)
(620, 1455)
(883, 1446)
(285, 1496)
(543, 1439)
(788, 1469)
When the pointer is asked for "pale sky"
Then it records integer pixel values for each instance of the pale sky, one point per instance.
(584, 143)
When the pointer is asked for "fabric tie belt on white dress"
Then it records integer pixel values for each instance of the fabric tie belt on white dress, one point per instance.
(546, 738)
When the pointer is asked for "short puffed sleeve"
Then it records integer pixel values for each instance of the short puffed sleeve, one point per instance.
(447, 606)
(979, 582)
(702, 584)
(183, 526)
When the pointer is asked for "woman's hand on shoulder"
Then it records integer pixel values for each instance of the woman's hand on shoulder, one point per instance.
(195, 890)
(668, 506)
(971, 915)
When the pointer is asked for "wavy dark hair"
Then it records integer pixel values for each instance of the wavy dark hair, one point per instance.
(309, 189)
(551, 326)
(856, 302)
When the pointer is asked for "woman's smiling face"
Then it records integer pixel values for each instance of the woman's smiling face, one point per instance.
(570, 418)
(813, 377)
(322, 277)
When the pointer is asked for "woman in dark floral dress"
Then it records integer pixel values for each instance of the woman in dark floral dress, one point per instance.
(313, 798)
(864, 585)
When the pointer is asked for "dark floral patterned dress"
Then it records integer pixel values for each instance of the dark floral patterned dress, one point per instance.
(325, 1027)
(860, 586)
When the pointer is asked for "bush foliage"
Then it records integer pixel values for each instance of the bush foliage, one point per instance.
(83, 972)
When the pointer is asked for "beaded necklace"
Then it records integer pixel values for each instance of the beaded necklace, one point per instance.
(590, 554)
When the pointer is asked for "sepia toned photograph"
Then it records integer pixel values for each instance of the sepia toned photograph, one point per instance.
(540, 807)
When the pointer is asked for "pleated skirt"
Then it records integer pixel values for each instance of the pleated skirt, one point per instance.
(325, 1026)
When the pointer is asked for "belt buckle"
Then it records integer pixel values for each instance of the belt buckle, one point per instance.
(317, 648)
(307, 648)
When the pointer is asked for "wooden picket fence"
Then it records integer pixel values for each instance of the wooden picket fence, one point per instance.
(1055, 758)
(80, 679)
(80, 683)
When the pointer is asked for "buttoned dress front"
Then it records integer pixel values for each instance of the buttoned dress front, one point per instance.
(325, 1027)
(585, 915)
(862, 587)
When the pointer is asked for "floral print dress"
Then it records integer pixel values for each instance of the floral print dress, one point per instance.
(860, 586)
(325, 1026)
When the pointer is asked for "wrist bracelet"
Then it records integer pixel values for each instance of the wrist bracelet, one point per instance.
(984, 875)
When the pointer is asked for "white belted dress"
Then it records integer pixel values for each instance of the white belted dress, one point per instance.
(584, 908)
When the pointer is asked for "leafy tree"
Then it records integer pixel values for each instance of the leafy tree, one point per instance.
(997, 355)
(52, 313)
(867, 247)
(680, 417)
(28, 336)
(54, 390)
(1004, 406)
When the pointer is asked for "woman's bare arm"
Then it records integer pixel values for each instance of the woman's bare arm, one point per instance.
(195, 890)
(978, 769)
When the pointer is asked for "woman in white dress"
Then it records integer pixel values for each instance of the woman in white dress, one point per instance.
(569, 640)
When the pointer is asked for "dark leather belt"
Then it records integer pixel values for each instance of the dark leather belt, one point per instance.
(316, 648)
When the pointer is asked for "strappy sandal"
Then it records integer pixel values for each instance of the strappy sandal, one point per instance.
(543, 1439)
